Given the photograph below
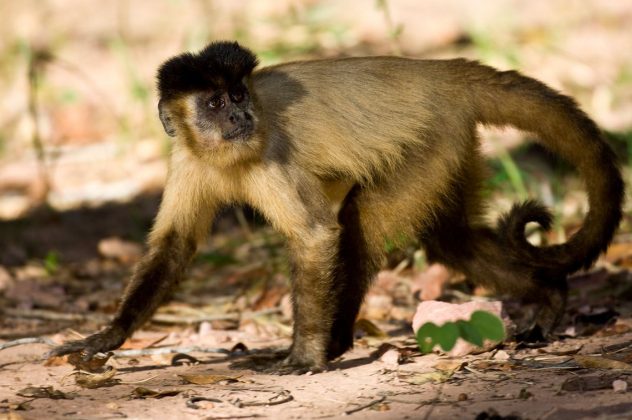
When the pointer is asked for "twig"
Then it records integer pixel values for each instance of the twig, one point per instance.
(168, 350)
(54, 316)
(160, 318)
(288, 397)
(28, 340)
(432, 406)
(37, 61)
(175, 319)
(141, 381)
(243, 222)
(362, 407)
(192, 402)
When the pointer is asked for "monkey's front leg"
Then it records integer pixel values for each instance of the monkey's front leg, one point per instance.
(314, 303)
(314, 257)
(172, 243)
(155, 277)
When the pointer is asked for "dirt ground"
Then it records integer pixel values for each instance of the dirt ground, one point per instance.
(74, 212)
(544, 384)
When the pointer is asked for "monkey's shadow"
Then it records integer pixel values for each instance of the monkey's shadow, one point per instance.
(268, 361)
(258, 360)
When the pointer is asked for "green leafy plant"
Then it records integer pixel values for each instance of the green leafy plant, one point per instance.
(216, 258)
(481, 326)
(51, 262)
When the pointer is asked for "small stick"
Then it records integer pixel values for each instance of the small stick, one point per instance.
(28, 340)
(160, 318)
(288, 398)
(362, 407)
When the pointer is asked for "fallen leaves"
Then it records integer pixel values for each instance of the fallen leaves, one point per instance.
(142, 393)
(209, 379)
(93, 365)
(96, 380)
(619, 386)
(597, 362)
(118, 249)
(43, 392)
(588, 383)
(364, 327)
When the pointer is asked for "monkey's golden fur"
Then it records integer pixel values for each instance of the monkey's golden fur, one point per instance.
(349, 153)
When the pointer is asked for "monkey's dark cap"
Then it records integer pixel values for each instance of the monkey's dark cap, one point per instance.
(221, 63)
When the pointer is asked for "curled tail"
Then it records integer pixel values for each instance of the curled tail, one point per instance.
(508, 98)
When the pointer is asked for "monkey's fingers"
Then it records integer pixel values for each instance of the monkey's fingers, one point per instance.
(97, 343)
(77, 346)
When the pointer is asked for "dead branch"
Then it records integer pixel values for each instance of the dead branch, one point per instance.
(54, 316)
(28, 340)
(365, 406)
(159, 318)
(168, 350)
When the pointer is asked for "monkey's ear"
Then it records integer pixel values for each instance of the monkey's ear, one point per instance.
(165, 118)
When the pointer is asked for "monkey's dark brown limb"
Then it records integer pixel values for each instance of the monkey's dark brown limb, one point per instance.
(458, 240)
(370, 217)
(313, 234)
(172, 244)
(357, 263)
(155, 278)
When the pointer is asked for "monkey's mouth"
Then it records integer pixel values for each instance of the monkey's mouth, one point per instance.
(238, 133)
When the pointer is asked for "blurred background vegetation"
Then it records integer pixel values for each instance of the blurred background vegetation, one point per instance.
(78, 120)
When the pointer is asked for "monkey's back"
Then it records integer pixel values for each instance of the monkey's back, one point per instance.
(369, 111)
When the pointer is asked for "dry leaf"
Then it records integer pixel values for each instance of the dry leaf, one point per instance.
(566, 352)
(96, 380)
(501, 355)
(94, 365)
(14, 406)
(369, 328)
(43, 392)
(56, 361)
(449, 366)
(596, 362)
(431, 283)
(424, 378)
(141, 392)
(11, 416)
(209, 379)
(619, 386)
(119, 249)
(391, 358)
(588, 383)
(142, 343)
(620, 254)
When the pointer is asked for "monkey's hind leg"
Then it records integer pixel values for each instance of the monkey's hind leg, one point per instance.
(461, 242)
(391, 210)
(358, 263)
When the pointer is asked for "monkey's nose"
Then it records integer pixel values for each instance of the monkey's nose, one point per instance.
(235, 118)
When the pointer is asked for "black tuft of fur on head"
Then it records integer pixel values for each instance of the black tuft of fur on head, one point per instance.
(220, 64)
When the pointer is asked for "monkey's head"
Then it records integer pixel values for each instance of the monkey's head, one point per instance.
(204, 97)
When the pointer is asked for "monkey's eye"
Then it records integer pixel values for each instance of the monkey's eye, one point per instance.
(216, 102)
(237, 96)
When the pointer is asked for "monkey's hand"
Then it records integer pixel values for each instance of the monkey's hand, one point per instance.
(101, 342)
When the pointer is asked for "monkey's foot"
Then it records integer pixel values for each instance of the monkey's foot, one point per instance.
(278, 363)
(261, 361)
(533, 334)
(102, 342)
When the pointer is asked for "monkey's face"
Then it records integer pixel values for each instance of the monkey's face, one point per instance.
(224, 114)
(215, 122)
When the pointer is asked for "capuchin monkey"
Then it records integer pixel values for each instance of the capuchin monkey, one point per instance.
(344, 155)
